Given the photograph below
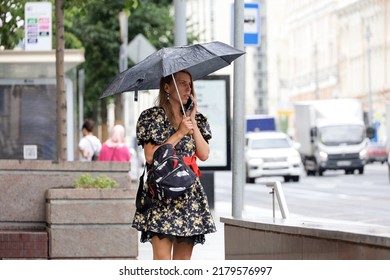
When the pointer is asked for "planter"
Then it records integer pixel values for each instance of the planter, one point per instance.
(91, 223)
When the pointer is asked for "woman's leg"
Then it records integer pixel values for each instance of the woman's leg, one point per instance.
(161, 248)
(182, 250)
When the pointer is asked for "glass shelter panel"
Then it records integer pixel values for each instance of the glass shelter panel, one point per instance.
(28, 122)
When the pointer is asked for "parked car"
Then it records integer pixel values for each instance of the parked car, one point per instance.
(376, 152)
(271, 154)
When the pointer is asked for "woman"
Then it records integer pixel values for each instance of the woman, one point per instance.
(174, 228)
(115, 149)
(89, 144)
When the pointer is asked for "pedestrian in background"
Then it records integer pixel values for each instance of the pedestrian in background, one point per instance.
(89, 145)
(115, 149)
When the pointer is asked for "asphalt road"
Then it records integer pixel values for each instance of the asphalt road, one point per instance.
(335, 196)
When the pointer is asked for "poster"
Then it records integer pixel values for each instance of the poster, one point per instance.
(213, 102)
(38, 26)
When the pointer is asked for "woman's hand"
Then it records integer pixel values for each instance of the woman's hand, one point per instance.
(186, 126)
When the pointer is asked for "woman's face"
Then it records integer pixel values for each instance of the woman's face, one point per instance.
(184, 85)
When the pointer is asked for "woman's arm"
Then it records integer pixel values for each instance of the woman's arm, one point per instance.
(202, 146)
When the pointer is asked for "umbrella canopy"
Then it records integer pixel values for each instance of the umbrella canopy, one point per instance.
(199, 59)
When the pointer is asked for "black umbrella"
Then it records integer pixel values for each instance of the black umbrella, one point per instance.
(199, 59)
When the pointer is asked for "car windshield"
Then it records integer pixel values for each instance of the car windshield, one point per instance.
(341, 134)
(270, 143)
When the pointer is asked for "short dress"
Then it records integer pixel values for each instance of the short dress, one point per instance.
(188, 217)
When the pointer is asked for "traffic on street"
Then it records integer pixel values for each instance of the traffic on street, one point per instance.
(335, 196)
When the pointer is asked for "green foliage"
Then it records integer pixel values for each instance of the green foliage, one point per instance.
(100, 182)
(11, 21)
(93, 25)
(98, 30)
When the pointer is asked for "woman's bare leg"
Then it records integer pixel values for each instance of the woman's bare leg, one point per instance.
(162, 248)
(182, 250)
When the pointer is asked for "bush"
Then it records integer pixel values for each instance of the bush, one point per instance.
(100, 182)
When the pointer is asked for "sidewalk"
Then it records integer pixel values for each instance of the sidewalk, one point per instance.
(214, 247)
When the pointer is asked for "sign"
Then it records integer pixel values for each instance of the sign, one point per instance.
(251, 24)
(213, 101)
(139, 48)
(38, 26)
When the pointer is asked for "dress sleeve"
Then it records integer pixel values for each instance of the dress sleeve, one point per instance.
(204, 126)
(151, 126)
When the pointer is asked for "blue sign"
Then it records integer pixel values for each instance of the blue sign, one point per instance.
(251, 24)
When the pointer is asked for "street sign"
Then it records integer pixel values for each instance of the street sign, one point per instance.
(139, 48)
(251, 24)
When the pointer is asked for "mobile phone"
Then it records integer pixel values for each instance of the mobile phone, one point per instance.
(189, 105)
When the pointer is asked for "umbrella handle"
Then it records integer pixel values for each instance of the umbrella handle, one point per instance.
(178, 95)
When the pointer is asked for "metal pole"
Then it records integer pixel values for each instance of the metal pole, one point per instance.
(81, 82)
(180, 23)
(273, 202)
(238, 176)
(370, 114)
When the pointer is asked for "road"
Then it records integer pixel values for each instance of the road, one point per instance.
(335, 196)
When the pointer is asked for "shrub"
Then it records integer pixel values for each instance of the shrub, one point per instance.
(100, 182)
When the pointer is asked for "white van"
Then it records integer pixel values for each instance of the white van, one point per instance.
(271, 154)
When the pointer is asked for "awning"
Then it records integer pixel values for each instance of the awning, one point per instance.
(16, 64)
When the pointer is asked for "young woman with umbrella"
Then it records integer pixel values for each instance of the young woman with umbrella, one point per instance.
(175, 227)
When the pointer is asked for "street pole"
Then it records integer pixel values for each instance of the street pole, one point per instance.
(127, 102)
(370, 113)
(238, 176)
(180, 23)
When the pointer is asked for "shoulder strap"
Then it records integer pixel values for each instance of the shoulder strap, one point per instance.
(90, 142)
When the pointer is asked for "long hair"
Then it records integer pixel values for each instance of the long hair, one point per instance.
(162, 99)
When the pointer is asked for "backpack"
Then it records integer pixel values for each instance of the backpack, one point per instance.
(168, 175)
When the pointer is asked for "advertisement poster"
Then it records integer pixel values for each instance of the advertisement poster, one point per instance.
(213, 101)
(38, 30)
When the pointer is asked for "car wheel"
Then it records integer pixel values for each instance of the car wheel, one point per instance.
(310, 173)
(295, 178)
(361, 170)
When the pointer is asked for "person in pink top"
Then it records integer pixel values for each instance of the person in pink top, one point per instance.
(115, 149)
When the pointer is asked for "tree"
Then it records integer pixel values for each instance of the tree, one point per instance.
(60, 76)
(11, 23)
(99, 31)
(94, 27)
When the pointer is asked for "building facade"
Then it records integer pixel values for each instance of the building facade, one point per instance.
(338, 49)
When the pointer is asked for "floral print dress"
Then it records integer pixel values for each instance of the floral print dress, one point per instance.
(188, 217)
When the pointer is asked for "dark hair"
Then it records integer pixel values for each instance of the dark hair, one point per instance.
(88, 125)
